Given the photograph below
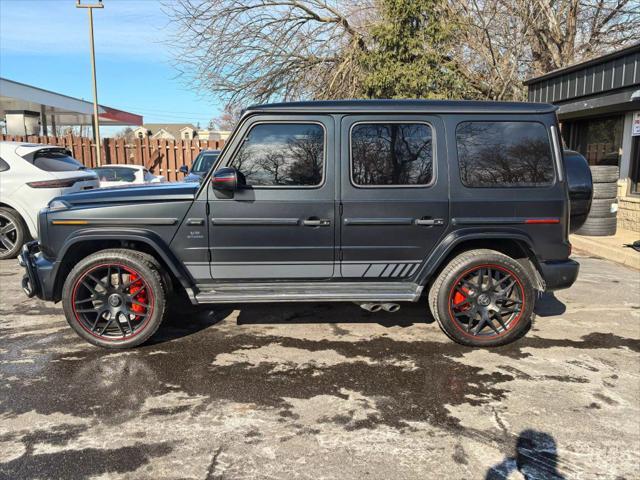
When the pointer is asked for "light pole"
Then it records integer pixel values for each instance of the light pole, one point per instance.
(96, 122)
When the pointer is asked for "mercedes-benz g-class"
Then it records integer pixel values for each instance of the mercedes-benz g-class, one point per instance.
(375, 202)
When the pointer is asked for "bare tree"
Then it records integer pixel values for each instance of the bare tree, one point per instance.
(246, 51)
(505, 41)
(228, 119)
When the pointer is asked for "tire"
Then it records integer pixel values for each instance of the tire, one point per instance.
(465, 268)
(605, 190)
(598, 227)
(601, 208)
(13, 233)
(115, 298)
(604, 173)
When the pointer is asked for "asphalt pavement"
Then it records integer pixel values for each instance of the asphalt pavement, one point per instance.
(326, 391)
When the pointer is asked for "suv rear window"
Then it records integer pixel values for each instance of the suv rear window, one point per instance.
(391, 154)
(116, 174)
(56, 160)
(282, 154)
(204, 162)
(504, 154)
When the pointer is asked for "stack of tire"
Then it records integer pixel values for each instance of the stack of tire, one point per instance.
(601, 220)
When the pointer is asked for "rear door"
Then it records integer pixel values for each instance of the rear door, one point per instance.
(394, 194)
(282, 226)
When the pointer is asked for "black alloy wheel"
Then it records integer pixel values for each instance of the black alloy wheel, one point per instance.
(484, 298)
(112, 301)
(115, 298)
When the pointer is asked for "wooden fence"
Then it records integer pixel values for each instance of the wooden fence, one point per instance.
(162, 157)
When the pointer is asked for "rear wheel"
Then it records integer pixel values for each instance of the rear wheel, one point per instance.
(13, 233)
(483, 298)
(115, 298)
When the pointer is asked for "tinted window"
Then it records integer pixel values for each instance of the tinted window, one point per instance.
(116, 174)
(391, 154)
(204, 162)
(4, 166)
(282, 155)
(504, 154)
(56, 160)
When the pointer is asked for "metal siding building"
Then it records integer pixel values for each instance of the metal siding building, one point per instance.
(598, 101)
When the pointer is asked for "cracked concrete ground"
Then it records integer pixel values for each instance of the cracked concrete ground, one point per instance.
(326, 391)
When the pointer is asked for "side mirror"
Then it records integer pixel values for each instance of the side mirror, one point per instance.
(227, 179)
(183, 169)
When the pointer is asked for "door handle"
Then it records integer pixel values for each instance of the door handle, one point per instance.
(429, 222)
(316, 222)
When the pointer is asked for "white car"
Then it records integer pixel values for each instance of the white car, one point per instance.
(118, 175)
(30, 176)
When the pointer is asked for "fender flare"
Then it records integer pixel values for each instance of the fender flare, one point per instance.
(456, 237)
(138, 235)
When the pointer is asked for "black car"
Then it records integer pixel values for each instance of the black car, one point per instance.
(374, 202)
(201, 166)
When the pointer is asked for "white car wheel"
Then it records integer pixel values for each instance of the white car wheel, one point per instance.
(12, 233)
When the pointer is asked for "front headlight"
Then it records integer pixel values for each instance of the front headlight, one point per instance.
(57, 204)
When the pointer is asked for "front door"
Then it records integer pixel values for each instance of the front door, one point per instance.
(394, 194)
(281, 226)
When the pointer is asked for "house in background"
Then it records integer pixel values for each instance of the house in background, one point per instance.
(178, 131)
(213, 134)
(599, 112)
(167, 131)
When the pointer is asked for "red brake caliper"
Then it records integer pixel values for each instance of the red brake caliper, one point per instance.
(138, 293)
(459, 297)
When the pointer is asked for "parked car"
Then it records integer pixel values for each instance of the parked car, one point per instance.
(373, 202)
(30, 176)
(121, 175)
(201, 165)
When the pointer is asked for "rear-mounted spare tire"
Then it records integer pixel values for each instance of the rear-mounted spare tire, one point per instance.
(580, 188)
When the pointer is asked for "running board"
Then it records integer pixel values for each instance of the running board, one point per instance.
(308, 292)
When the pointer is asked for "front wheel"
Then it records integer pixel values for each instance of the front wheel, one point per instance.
(13, 233)
(483, 298)
(115, 298)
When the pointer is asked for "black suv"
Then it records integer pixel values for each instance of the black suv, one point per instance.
(373, 202)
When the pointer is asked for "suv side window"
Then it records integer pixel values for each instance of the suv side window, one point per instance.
(391, 154)
(504, 154)
(282, 154)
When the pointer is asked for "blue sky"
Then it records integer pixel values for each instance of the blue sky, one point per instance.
(45, 43)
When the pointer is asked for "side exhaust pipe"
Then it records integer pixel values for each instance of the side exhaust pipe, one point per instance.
(371, 307)
(391, 307)
(376, 307)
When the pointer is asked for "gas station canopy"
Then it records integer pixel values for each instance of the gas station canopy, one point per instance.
(57, 109)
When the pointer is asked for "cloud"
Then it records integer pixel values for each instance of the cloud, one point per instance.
(133, 29)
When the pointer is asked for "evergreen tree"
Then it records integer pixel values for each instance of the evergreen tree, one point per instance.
(409, 53)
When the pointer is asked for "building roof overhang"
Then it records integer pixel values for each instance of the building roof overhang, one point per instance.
(65, 110)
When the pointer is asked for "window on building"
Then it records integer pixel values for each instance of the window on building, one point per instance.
(388, 154)
(282, 154)
(600, 139)
(504, 154)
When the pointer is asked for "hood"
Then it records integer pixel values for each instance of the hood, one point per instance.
(192, 177)
(151, 192)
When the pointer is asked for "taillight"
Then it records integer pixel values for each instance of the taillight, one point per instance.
(59, 183)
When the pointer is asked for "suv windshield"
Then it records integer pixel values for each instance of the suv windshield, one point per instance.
(204, 162)
(56, 160)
